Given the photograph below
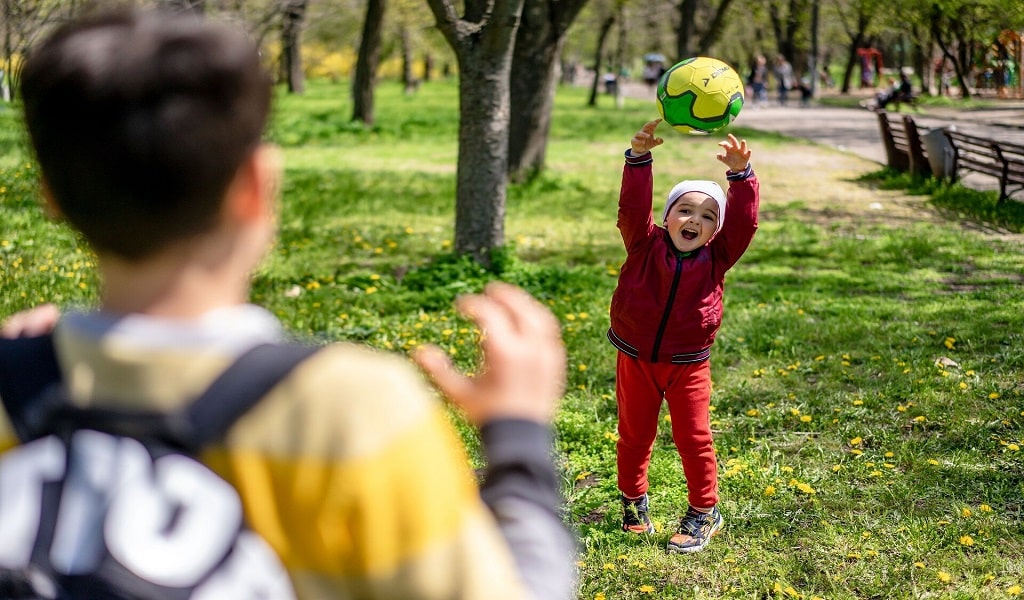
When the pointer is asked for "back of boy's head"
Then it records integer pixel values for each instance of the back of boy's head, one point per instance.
(140, 120)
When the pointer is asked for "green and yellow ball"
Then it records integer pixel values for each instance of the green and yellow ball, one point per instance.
(700, 95)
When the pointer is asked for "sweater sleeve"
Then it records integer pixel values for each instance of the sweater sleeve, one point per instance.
(521, 489)
(635, 222)
(741, 218)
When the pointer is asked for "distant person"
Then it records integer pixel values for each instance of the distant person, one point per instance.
(665, 313)
(783, 78)
(147, 128)
(758, 81)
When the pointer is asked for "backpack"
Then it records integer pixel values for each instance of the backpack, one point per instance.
(102, 503)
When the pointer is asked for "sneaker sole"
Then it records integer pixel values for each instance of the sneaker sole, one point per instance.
(692, 549)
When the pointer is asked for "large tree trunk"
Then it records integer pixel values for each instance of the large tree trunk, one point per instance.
(482, 41)
(293, 16)
(534, 79)
(365, 79)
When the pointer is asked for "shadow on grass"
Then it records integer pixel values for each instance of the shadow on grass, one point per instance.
(980, 209)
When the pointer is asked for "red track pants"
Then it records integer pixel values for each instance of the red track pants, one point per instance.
(640, 387)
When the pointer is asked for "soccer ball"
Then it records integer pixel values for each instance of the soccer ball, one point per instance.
(700, 95)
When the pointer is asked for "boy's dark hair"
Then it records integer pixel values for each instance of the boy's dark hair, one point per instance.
(140, 120)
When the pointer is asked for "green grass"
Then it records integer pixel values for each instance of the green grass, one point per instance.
(868, 401)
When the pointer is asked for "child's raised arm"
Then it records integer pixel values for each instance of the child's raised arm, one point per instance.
(736, 155)
(644, 139)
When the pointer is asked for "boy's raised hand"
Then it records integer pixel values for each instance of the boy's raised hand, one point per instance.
(645, 139)
(523, 371)
(736, 155)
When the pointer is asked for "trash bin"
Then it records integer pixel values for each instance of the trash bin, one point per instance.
(940, 153)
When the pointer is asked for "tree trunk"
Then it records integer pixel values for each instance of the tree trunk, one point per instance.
(365, 79)
(483, 42)
(602, 38)
(409, 82)
(533, 81)
(687, 28)
(294, 14)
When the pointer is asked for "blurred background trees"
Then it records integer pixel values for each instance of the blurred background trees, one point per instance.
(512, 54)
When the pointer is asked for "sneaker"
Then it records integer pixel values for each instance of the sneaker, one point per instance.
(695, 530)
(634, 515)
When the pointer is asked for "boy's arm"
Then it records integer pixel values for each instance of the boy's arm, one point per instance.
(513, 400)
(743, 201)
(635, 221)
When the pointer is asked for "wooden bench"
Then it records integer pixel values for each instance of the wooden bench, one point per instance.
(903, 148)
(1002, 160)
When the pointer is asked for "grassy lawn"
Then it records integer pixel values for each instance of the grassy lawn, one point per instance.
(869, 400)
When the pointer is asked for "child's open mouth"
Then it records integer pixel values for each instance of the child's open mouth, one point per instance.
(688, 235)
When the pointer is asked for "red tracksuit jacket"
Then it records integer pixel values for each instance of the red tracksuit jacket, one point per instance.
(667, 307)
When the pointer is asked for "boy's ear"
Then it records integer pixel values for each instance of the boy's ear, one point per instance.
(253, 193)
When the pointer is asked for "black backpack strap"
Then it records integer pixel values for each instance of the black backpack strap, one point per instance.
(28, 366)
(238, 389)
(38, 407)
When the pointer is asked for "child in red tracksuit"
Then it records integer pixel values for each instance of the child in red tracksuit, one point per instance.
(665, 313)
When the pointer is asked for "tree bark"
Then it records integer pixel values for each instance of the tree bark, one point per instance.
(534, 79)
(602, 39)
(482, 41)
(365, 79)
(292, 19)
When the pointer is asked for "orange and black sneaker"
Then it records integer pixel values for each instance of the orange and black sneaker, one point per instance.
(696, 529)
(634, 515)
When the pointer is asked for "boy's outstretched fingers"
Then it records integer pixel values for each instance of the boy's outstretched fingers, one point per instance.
(645, 139)
(523, 370)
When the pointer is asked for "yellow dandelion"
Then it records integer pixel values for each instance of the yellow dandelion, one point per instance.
(583, 475)
(646, 589)
(668, 418)
(993, 396)
(857, 441)
(985, 508)
(965, 512)
(753, 412)
(966, 540)
(858, 403)
(1014, 590)
(622, 557)
(1013, 447)
(933, 462)
(806, 419)
(919, 565)
(609, 566)
(803, 487)
(920, 419)
(581, 367)
(599, 596)
(944, 577)
(769, 491)
(371, 290)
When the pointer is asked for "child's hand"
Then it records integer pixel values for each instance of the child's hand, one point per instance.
(644, 139)
(31, 322)
(523, 371)
(736, 155)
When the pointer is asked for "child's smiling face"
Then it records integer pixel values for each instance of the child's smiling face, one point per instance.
(692, 221)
